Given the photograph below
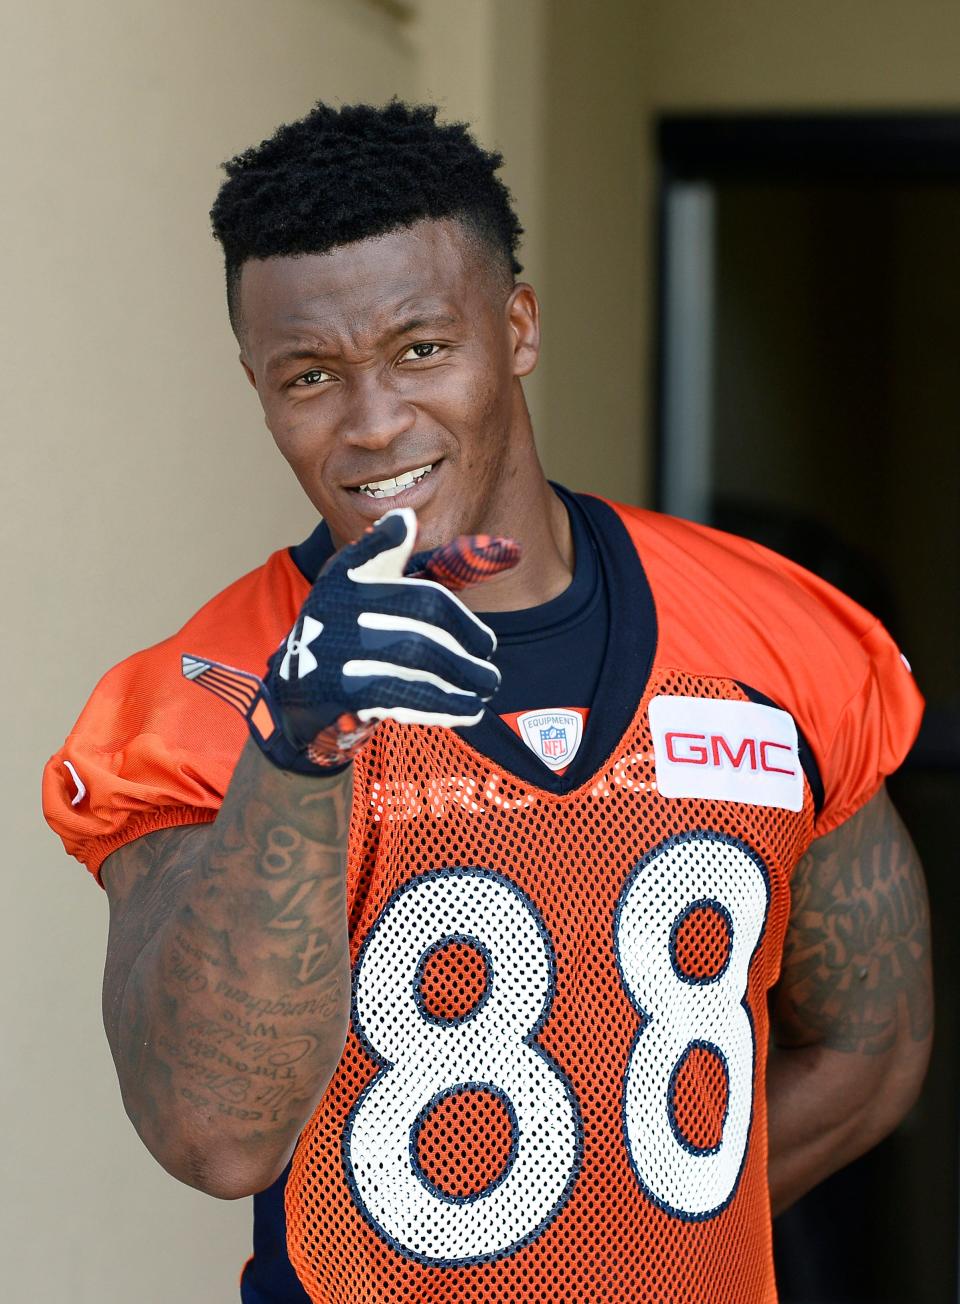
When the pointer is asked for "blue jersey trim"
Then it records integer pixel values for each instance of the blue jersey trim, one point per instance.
(808, 761)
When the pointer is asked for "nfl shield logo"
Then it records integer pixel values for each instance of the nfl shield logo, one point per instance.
(554, 735)
(553, 743)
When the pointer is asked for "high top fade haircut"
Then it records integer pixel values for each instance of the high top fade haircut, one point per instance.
(342, 175)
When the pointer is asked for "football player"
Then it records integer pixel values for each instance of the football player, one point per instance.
(502, 884)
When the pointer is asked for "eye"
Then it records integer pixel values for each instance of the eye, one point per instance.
(313, 377)
(423, 350)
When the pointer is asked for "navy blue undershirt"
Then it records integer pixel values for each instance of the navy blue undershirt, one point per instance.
(551, 655)
(564, 653)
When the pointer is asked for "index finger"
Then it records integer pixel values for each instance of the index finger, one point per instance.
(468, 559)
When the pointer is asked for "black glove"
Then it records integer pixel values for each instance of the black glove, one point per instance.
(371, 643)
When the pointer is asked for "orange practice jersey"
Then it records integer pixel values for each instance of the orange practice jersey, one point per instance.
(553, 1083)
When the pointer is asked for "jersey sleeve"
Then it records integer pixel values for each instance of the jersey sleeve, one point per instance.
(131, 764)
(151, 750)
(863, 722)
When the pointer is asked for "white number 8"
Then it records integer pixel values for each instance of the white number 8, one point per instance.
(426, 1060)
(681, 1013)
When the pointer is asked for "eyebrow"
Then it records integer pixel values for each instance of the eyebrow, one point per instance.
(417, 323)
(406, 327)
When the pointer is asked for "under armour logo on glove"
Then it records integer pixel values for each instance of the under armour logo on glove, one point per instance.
(373, 642)
(298, 646)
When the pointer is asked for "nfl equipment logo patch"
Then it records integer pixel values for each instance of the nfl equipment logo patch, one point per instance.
(553, 735)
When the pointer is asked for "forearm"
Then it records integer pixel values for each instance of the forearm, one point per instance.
(234, 1015)
(852, 1016)
(826, 1108)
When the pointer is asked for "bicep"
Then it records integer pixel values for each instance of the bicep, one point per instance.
(143, 882)
(856, 963)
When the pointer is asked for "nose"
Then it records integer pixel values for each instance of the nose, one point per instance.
(375, 413)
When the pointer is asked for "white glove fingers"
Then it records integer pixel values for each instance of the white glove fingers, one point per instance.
(429, 601)
(396, 534)
(385, 688)
(390, 624)
(378, 644)
(358, 669)
(416, 654)
(407, 715)
(393, 537)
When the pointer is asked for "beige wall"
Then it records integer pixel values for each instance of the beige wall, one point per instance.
(137, 480)
(593, 367)
(794, 53)
(484, 62)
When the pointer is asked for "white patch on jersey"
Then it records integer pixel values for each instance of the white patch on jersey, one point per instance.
(726, 751)
(553, 735)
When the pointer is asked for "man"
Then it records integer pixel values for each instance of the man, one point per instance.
(486, 921)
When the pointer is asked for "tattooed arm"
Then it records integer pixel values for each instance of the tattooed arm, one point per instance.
(227, 983)
(853, 1011)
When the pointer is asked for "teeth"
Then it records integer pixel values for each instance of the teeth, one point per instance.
(393, 485)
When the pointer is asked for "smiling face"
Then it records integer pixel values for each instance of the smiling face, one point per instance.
(397, 358)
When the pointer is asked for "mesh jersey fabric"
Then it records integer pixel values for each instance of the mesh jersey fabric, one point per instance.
(553, 1085)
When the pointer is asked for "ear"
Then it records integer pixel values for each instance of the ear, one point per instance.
(248, 370)
(523, 320)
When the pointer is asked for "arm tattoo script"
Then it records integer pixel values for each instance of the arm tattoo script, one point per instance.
(226, 989)
(856, 966)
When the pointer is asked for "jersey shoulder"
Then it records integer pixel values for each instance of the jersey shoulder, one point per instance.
(730, 608)
(726, 605)
(150, 749)
(240, 625)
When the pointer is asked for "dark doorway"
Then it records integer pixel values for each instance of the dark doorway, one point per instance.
(809, 397)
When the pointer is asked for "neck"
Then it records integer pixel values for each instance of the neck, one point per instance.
(539, 522)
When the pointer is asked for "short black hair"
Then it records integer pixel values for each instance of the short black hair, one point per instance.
(341, 175)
